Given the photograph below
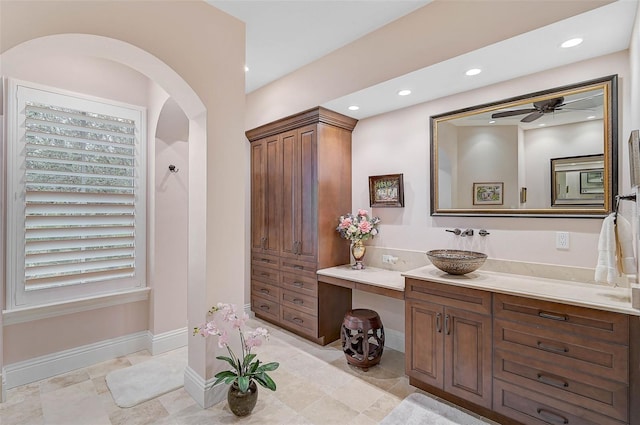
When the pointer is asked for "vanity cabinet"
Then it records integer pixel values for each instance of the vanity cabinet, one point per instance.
(449, 341)
(555, 363)
(300, 185)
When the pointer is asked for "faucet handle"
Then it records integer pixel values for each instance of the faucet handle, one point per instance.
(468, 232)
(454, 231)
(483, 232)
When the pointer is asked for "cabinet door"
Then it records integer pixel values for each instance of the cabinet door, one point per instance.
(299, 213)
(425, 344)
(266, 195)
(467, 352)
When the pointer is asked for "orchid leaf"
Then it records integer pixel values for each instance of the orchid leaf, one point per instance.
(243, 383)
(228, 360)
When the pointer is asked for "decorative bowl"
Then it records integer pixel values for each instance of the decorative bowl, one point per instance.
(454, 261)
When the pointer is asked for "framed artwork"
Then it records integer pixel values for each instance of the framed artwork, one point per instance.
(634, 157)
(488, 193)
(592, 181)
(386, 191)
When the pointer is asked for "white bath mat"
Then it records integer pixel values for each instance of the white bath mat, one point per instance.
(418, 409)
(152, 378)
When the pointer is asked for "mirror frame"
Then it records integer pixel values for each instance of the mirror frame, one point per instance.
(609, 84)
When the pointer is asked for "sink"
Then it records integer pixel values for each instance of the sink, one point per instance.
(455, 261)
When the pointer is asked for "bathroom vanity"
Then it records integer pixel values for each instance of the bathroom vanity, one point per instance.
(523, 349)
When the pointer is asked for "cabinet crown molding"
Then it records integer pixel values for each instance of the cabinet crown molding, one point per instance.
(310, 116)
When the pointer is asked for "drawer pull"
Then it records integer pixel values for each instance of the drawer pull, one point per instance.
(297, 267)
(553, 382)
(265, 260)
(552, 316)
(447, 331)
(297, 320)
(298, 284)
(551, 417)
(264, 307)
(264, 274)
(438, 322)
(264, 291)
(298, 301)
(554, 349)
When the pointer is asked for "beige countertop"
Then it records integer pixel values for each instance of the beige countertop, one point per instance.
(370, 276)
(590, 295)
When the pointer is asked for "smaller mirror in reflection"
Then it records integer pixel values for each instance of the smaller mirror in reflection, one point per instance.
(577, 180)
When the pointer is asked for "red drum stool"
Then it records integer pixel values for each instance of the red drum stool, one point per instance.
(362, 338)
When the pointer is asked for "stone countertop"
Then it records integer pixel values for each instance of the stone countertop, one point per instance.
(370, 276)
(590, 295)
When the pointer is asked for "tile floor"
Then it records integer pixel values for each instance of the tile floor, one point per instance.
(315, 387)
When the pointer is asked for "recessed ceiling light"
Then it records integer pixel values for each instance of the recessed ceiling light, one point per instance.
(492, 122)
(404, 92)
(246, 68)
(541, 125)
(354, 108)
(571, 43)
(590, 117)
(473, 71)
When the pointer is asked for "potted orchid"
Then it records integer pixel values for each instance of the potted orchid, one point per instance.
(246, 369)
(357, 228)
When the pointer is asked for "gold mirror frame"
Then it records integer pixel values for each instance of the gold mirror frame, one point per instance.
(608, 85)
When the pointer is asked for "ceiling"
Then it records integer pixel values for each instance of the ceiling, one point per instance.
(282, 36)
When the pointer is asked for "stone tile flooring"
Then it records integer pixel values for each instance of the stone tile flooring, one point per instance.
(315, 387)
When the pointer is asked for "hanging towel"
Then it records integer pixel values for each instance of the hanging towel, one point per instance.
(615, 250)
(624, 252)
(606, 269)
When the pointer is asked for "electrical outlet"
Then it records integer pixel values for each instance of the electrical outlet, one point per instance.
(562, 240)
(386, 258)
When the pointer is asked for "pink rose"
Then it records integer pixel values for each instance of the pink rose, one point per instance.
(363, 212)
(364, 227)
(345, 223)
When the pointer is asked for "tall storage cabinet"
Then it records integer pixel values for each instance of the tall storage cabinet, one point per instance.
(300, 185)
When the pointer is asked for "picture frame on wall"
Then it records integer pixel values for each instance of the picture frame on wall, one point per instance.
(488, 193)
(386, 191)
(634, 158)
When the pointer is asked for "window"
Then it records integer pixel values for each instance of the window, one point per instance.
(76, 198)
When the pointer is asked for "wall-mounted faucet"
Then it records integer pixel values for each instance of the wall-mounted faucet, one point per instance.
(468, 232)
(454, 231)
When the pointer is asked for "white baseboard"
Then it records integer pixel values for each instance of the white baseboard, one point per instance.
(43, 367)
(394, 340)
(38, 368)
(167, 341)
(203, 392)
(3, 386)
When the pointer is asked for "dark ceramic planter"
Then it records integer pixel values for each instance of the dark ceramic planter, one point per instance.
(242, 404)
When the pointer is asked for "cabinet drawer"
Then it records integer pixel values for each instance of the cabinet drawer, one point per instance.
(265, 260)
(299, 301)
(449, 295)
(298, 267)
(298, 320)
(299, 283)
(583, 321)
(533, 408)
(265, 274)
(594, 393)
(265, 290)
(266, 308)
(568, 351)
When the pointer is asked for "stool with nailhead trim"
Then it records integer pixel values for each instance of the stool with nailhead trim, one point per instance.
(362, 337)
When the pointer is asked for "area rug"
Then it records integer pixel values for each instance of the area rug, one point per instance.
(152, 378)
(418, 409)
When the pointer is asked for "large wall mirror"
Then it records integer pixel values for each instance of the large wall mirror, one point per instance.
(544, 154)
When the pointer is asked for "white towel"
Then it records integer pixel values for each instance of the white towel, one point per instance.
(615, 255)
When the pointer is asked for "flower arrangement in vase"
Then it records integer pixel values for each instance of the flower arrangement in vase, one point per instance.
(358, 228)
(246, 370)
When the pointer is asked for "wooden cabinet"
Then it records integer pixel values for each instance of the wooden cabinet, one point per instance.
(556, 363)
(300, 185)
(449, 343)
(519, 360)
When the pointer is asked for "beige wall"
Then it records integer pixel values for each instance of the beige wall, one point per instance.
(205, 47)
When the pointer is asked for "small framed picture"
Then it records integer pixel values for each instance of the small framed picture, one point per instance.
(386, 191)
(488, 193)
(634, 157)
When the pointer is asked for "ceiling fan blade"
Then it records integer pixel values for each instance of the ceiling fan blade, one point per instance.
(512, 113)
(568, 102)
(532, 117)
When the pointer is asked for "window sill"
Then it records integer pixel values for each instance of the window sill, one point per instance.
(46, 311)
